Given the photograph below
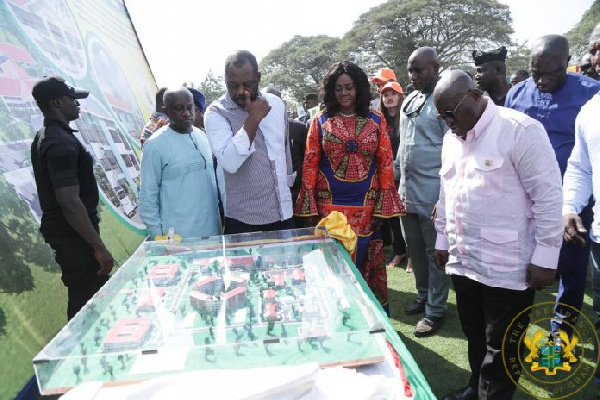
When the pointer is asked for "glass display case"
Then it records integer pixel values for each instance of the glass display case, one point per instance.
(238, 301)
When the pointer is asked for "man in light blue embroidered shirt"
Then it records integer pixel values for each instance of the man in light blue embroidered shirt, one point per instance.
(554, 97)
(178, 188)
(247, 131)
(417, 167)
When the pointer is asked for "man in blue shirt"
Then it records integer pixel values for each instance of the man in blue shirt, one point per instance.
(179, 190)
(555, 97)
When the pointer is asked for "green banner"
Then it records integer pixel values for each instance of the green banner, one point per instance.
(93, 45)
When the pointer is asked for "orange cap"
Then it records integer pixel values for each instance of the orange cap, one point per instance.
(395, 86)
(384, 75)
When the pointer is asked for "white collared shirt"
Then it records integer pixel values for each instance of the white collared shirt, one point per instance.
(258, 175)
(582, 178)
(500, 200)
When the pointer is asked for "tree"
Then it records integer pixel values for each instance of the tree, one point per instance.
(386, 35)
(580, 34)
(518, 58)
(212, 87)
(298, 66)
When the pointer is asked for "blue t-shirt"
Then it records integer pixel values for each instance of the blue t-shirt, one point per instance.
(556, 111)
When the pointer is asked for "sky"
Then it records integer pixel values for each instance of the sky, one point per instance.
(187, 38)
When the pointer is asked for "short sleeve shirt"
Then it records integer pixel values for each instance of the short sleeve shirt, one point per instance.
(61, 161)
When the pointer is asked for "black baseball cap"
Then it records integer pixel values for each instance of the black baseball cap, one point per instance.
(53, 87)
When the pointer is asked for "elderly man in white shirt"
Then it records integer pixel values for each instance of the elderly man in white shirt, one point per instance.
(498, 222)
(247, 131)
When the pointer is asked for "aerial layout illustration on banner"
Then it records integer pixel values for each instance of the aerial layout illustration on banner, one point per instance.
(93, 45)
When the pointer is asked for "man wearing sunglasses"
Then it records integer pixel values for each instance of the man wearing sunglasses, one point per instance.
(554, 97)
(497, 256)
(417, 168)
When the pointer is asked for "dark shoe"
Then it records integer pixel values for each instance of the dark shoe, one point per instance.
(416, 307)
(467, 393)
(427, 326)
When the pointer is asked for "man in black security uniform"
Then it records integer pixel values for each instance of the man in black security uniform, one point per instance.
(491, 73)
(68, 194)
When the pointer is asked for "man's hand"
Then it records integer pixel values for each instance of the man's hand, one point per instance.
(539, 278)
(574, 230)
(257, 110)
(105, 259)
(441, 258)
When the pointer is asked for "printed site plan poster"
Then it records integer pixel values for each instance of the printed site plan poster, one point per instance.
(93, 45)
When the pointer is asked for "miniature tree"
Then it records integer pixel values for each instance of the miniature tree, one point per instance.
(267, 349)
(77, 371)
(97, 337)
(270, 327)
(121, 360)
(109, 369)
(283, 331)
(84, 364)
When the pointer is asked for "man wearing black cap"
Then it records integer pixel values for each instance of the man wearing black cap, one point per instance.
(491, 73)
(68, 194)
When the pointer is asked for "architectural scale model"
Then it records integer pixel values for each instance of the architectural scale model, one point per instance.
(224, 302)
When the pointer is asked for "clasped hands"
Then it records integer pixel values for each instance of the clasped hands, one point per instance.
(537, 278)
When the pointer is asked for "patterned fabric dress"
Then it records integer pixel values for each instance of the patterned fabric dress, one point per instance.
(348, 168)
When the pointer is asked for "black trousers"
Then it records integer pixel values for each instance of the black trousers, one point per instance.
(398, 243)
(485, 314)
(233, 226)
(79, 271)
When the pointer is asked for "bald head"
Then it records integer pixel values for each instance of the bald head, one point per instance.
(453, 83)
(179, 106)
(551, 45)
(549, 61)
(171, 96)
(425, 54)
(423, 69)
(458, 101)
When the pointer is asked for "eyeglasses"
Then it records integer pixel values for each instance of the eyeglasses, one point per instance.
(417, 111)
(452, 114)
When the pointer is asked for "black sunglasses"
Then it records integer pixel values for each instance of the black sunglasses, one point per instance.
(417, 111)
(452, 114)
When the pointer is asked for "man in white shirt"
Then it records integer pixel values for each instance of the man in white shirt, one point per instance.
(497, 256)
(581, 181)
(247, 131)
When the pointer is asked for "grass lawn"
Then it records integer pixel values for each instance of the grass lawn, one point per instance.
(442, 357)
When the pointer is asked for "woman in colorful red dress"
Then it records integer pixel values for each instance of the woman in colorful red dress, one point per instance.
(348, 168)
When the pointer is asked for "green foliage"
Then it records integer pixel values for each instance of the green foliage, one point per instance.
(386, 35)
(390, 32)
(298, 65)
(579, 36)
(517, 58)
(212, 87)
